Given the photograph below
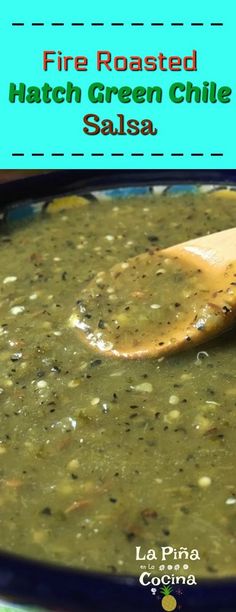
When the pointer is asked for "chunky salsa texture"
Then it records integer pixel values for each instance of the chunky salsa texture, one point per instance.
(99, 455)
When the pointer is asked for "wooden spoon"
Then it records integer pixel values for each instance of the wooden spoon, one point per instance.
(162, 300)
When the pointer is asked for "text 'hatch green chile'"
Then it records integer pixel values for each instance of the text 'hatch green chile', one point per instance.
(98, 93)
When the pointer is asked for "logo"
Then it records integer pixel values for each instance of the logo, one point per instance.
(165, 568)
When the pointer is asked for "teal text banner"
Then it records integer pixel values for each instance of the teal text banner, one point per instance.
(118, 85)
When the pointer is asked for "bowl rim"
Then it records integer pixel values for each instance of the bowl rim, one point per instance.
(48, 584)
(63, 182)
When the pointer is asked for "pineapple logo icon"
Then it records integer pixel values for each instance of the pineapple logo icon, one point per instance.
(168, 601)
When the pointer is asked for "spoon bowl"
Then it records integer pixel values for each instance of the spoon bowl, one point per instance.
(161, 301)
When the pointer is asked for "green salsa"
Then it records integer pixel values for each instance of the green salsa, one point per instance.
(99, 455)
(153, 304)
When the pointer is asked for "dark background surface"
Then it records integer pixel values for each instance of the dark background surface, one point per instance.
(20, 185)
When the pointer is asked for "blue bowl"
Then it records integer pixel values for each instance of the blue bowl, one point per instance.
(24, 582)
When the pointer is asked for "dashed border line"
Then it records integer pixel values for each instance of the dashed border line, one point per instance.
(118, 24)
(137, 154)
